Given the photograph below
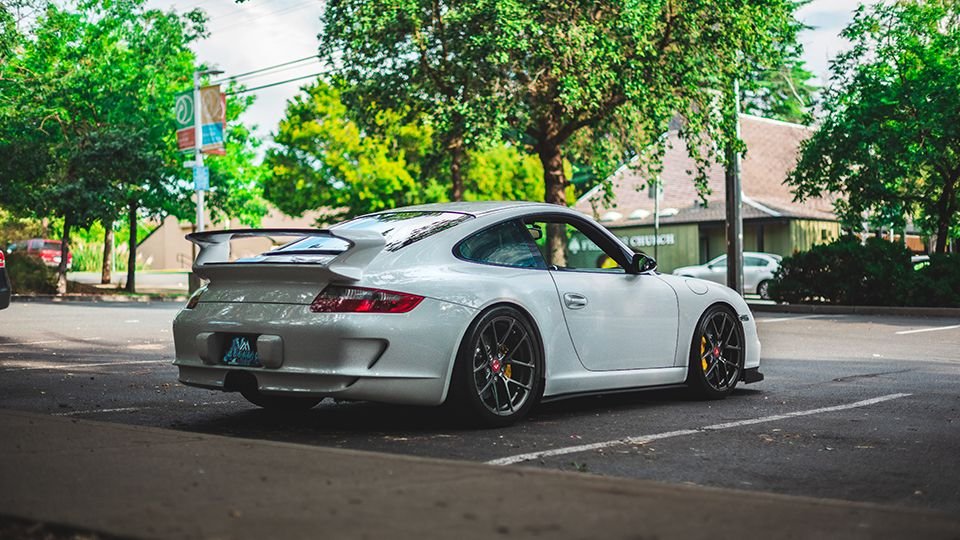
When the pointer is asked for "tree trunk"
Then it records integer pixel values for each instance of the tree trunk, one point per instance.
(132, 256)
(555, 186)
(106, 272)
(64, 257)
(456, 168)
(945, 210)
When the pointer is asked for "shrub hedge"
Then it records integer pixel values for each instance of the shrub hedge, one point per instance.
(877, 273)
(28, 274)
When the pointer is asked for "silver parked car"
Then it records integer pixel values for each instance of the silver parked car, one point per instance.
(758, 271)
(460, 303)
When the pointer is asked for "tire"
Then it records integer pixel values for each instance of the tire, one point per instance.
(763, 289)
(498, 374)
(716, 354)
(279, 403)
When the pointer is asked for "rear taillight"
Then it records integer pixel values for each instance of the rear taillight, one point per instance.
(340, 299)
(3, 262)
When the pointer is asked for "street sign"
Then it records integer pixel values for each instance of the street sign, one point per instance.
(213, 113)
(201, 179)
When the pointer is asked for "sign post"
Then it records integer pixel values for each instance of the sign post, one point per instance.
(201, 127)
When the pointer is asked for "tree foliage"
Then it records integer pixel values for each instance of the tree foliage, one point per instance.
(84, 114)
(784, 93)
(891, 137)
(86, 117)
(589, 82)
(419, 57)
(328, 161)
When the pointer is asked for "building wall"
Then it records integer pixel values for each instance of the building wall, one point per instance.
(680, 246)
(695, 244)
(804, 234)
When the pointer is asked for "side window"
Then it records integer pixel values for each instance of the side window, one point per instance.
(754, 261)
(578, 251)
(506, 244)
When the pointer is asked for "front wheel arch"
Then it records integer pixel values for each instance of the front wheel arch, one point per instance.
(696, 380)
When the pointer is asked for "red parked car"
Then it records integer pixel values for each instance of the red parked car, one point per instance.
(47, 251)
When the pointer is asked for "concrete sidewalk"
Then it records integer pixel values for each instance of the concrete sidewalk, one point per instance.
(151, 483)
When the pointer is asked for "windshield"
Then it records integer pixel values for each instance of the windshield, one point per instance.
(399, 229)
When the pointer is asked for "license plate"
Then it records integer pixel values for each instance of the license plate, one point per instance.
(242, 352)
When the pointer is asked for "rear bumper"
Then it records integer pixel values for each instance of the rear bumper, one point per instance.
(392, 358)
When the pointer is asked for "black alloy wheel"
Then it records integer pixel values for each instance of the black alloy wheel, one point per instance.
(498, 376)
(716, 354)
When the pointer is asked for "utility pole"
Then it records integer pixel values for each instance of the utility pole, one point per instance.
(198, 168)
(198, 143)
(734, 198)
(656, 218)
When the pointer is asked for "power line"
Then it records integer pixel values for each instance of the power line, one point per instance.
(273, 73)
(255, 88)
(268, 68)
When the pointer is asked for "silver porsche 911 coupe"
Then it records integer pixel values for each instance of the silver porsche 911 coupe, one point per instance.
(491, 307)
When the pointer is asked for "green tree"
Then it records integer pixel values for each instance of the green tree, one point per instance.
(82, 129)
(890, 141)
(86, 120)
(589, 82)
(324, 160)
(783, 93)
(419, 57)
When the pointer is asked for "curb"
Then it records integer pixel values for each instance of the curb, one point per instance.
(825, 309)
(108, 298)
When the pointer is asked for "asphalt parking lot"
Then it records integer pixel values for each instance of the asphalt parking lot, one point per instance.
(853, 407)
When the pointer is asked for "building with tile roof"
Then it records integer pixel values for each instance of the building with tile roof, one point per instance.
(692, 232)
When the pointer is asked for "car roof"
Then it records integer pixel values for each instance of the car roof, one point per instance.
(477, 208)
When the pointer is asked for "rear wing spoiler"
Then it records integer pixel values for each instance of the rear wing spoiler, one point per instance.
(214, 258)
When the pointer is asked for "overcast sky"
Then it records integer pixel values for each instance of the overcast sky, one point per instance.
(260, 33)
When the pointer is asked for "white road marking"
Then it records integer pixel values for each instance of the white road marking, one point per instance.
(44, 342)
(129, 409)
(93, 411)
(17, 365)
(902, 332)
(643, 439)
(784, 319)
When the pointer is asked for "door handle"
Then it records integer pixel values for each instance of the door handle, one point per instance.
(575, 300)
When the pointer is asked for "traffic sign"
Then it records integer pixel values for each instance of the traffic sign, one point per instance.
(201, 179)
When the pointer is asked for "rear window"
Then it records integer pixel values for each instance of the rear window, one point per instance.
(52, 245)
(399, 229)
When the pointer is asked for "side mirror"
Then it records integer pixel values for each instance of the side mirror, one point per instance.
(642, 263)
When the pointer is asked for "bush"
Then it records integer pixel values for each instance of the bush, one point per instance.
(878, 273)
(29, 275)
(937, 284)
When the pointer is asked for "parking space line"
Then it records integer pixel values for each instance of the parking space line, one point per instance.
(130, 409)
(784, 319)
(644, 439)
(94, 411)
(935, 329)
(43, 342)
(68, 366)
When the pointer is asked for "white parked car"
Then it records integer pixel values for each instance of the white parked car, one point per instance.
(758, 271)
(457, 303)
